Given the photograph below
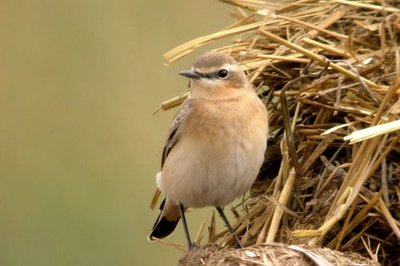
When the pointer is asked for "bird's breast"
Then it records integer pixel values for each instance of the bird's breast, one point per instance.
(218, 155)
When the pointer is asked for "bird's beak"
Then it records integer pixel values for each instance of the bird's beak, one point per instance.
(190, 74)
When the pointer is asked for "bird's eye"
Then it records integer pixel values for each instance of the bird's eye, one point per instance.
(223, 73)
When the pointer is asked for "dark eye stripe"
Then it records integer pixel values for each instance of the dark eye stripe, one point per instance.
(215, 75)
(212, 75)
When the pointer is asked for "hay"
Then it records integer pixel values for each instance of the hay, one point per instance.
(272, 254)
(329, 73)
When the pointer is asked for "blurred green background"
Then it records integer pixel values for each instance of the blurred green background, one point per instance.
(79, 146)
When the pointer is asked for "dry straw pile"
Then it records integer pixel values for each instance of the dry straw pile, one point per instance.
(329, 73)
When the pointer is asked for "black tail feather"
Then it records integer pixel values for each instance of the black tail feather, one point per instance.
(162, 227)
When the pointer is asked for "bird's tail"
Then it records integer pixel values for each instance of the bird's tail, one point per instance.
(166, 222)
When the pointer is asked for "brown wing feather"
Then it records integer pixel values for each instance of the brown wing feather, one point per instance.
(172, 140)
(172, 136)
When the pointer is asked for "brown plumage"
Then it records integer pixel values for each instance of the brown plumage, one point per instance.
(216, 144)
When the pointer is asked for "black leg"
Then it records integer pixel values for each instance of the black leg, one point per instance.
(228, 225)
(185, 227)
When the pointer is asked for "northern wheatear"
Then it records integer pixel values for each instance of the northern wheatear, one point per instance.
(215, 145)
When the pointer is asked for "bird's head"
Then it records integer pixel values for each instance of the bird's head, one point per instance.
(216, 71)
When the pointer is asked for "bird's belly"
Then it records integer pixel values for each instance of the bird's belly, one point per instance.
(211, 174)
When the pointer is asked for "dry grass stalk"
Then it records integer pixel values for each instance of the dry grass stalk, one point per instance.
(283, 199)
(370, 132)
(329, 72)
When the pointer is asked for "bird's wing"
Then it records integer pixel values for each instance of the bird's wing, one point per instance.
(172, 133)
(172, 139)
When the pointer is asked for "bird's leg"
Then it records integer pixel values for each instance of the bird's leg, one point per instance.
(185, 227)
(228, 225)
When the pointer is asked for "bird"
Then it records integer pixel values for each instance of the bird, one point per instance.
(215, 145)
